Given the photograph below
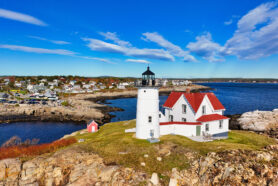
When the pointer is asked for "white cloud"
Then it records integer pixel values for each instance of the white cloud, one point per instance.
(38, 50)
(138, 61)
(228, 22)
(97, 59)
(170, 47)
(59, 42)
(113, 36)
(188, 31)
(21, 17)
(256, 35)
(206, 48)
(232, 20)
(98, 45)
(52, 41)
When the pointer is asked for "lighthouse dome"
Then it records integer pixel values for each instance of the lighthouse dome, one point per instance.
(148, 78)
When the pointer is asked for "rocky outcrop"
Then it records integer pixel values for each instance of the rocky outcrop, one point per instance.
(48, 113)
(66, 167)
(262, 122)
(234, 167)
(73, 166)
(259, 120)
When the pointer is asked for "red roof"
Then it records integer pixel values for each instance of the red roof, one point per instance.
(211, 117)
(179, 123)
(92, 123)
(194, 99)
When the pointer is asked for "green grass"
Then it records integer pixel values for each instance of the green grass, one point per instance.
(111, 139)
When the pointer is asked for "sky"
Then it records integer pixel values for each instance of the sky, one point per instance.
(177, 39)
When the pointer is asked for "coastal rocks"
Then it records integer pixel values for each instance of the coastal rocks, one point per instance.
(70, 166)
(9, 170)
(233, 167)
(259, 120)
(73, 166)
(47, 113)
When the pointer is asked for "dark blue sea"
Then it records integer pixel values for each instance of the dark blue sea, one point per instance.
(45, 131)
(236, 97)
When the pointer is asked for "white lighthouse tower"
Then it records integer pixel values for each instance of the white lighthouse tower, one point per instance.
(147, 120)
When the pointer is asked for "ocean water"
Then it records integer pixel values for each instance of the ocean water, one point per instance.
(45, 131)
(236, 97)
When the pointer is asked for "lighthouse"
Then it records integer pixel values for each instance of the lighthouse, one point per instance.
(147, 114)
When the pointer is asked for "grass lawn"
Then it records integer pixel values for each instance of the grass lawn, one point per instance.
(118, 147)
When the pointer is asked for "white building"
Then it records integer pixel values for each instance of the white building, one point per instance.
(17, 84)
(193, 114)
(87, 86)
(186, 114)
(147, 121)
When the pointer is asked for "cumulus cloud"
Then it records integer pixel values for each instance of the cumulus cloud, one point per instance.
(21, 17)
(38, 50)
(138, 61)
(52, 41)
(98, 45)
(113, 37)
(170, 47)
(256, 37)
(256, 34)
(206, 48)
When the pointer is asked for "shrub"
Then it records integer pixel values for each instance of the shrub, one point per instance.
(16, 141)
(66, 104)
(34, 150)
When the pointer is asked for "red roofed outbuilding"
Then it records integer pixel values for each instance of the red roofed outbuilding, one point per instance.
(92, 126)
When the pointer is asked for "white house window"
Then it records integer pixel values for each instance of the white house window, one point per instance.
(207, 127)
(150, 119)
(221, 124)
(159, 115)
(184, 108)
(171, 118)
(183, 119)
(204, 110)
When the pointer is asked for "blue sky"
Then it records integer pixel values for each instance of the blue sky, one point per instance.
(186, 39)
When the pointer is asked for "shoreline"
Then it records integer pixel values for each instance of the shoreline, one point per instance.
(84, 107)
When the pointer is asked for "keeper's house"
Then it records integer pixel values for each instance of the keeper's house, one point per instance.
(193, 114)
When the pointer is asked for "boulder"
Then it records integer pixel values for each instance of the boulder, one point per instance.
(10, 169)
(155, 179)
(259, 120)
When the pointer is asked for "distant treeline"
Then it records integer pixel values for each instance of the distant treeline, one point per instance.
(70, 77)
(121, 79)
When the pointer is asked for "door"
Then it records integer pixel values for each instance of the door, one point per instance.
(198, 130)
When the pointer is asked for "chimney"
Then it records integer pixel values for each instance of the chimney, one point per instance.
(187, 90)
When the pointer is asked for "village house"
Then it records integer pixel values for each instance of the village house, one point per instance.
(72, 82)
(193, 114)
(86, 86)
(17, 84)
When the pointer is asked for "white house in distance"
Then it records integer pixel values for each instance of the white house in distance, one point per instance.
(193, 114)
(186, 114)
